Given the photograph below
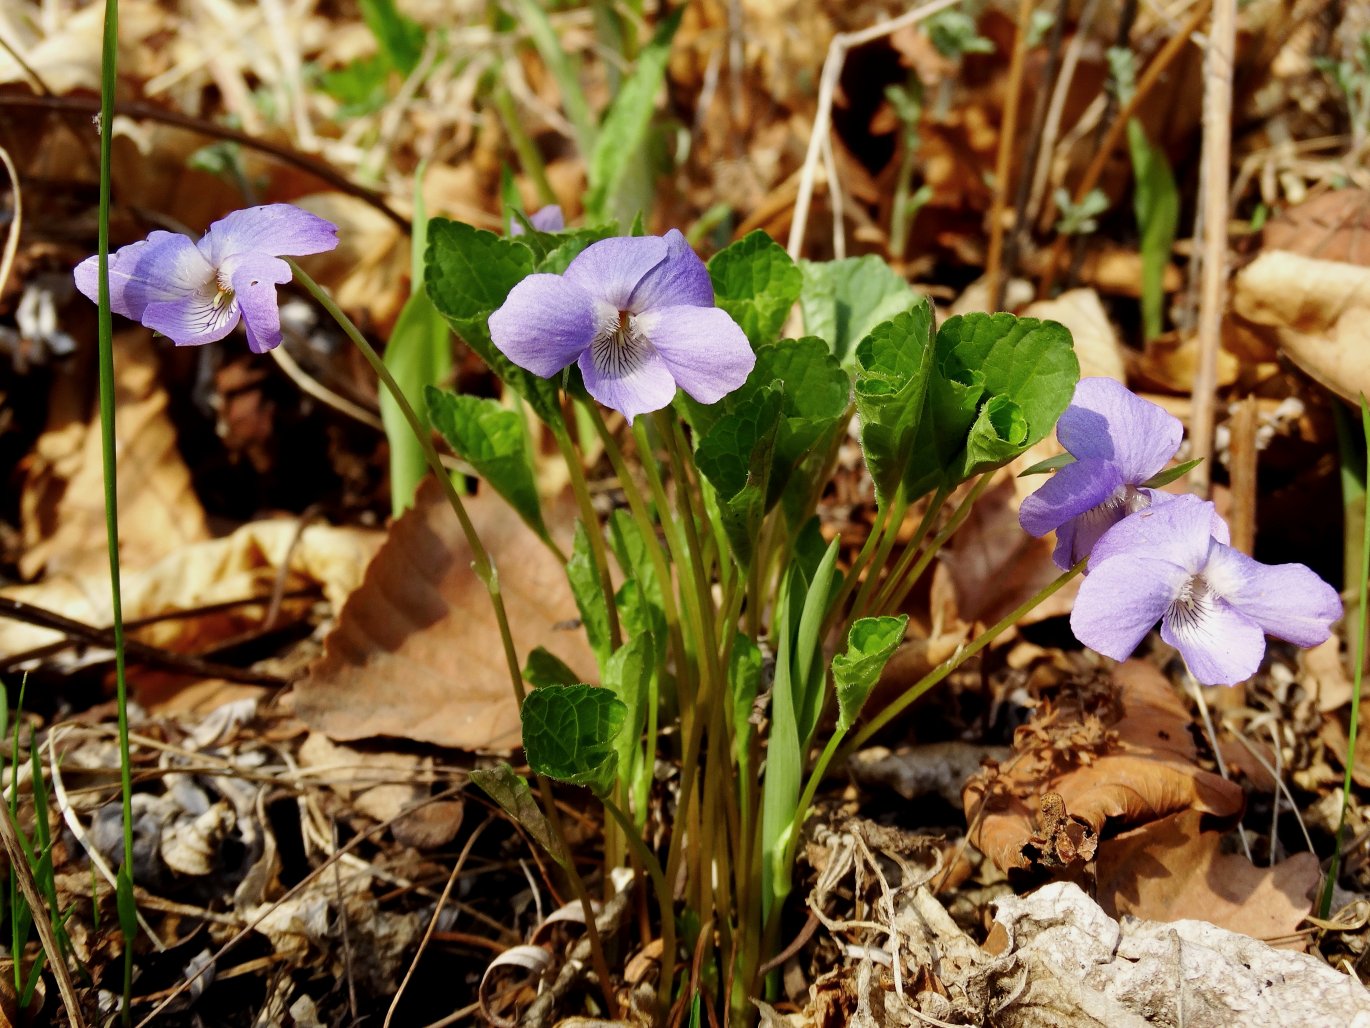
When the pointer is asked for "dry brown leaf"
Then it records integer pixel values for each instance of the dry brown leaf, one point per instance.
(1316, 311)
(63, 504)
(243, 565)
(416, 652)
(1118, 751)
(1333, 226)
(1325, 675)
(1170, 361)
(994, 564)
(1170, 870)
(1096, 343)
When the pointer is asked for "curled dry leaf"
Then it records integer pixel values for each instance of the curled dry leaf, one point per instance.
(1170, 870)
(416, 652)
(1316, 311)
(1117, 751)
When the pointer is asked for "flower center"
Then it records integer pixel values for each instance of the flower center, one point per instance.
(1193, 604)
(621, 350)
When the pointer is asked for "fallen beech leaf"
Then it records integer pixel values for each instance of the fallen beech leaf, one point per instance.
(1169, 870)
(1316, 311)
(63, 507)
(416, 652)
(1116, 751)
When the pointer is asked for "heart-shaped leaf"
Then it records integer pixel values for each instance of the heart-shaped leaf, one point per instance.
(756, 282)
(569, 733)
(870, 644)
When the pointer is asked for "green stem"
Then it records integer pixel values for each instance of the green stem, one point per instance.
(109, 465)
(957, 659)
(523, 145)
(664, 900)
(593, 528)
(484, 569)
(897, 589)
(884, 545)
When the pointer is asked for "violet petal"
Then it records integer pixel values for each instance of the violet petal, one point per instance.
(1177, 530)
(611, 269)
(205, 317)
(681, 279)
(545, 323)
(165, 266)
(278, 229)
(254, 278)
(1219, 646)
(1288, 601)
(548, 219)
(707, 353)
(1070, 492)
(637, 384)
(1108, 421)
(1121, 600)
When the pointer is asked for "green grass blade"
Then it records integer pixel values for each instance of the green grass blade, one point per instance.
(533, 18)
(1357, 671)
(109, 54)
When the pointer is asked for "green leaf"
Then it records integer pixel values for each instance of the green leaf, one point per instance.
(545, 668)
(1163, 478)
(400, 38)
(844, 300)
(893, 365)
(870, 644)
(569, 733)
(360, 86)
(468, 273)
(584, 579)
(1156, 203)
(515, 798)
(999, 384)
(621, 140)
(808, 677)
(756, 282)
(419, 355)
(628, 675)
(735, 455)
(1050, 464)
(568, 246)
(494, 441)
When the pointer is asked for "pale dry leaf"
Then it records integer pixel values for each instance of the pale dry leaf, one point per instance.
(1096, 343)
(416, 653)
(1316, 311)
(1170, 361)
(1170, 870)
(1078, 966)
(63, 504)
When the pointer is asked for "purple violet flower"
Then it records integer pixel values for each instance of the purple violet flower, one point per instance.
(637, 315)
(1171, 563)
(548, 219)
(196, 293)
(1119, 441)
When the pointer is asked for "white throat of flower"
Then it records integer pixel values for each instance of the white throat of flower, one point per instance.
(619, 347)
(1193, 605)
(213, 304)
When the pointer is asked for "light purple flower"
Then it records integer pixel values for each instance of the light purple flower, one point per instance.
(196, 293)
(1171, 563)
(1119, 441)
(637, 315)
(548, 219)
